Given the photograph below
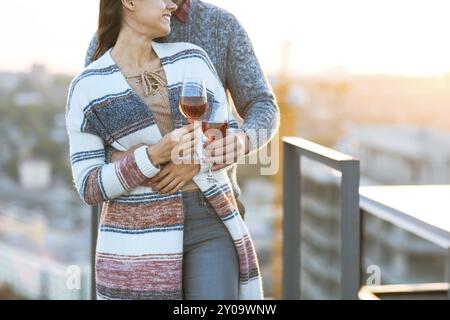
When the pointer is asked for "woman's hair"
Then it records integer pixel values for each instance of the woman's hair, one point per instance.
(109, 25)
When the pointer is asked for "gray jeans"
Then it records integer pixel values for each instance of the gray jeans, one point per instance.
(210, 261)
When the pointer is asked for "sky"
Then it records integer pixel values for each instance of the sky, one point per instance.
(362, 36)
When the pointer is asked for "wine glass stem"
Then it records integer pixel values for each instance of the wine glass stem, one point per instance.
(210, 175)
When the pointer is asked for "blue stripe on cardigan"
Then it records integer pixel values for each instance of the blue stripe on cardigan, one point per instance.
(101, 100)
(88, 73)
(104, 98)
(189, 53)
(107, 228)
(82, 156)
(102, 188)
(148, 197)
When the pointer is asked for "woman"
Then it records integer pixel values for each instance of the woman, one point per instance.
(190, 243)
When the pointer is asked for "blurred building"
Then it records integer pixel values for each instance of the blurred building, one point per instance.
(400, 155)
(28, 98)
(9, 81)
(37, 277)
(320, 232)
(39, 77)
(43, 234)
(388, 155)
(35, 173)
(258, 197)
(32, 227)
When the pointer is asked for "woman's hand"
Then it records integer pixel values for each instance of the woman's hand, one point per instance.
(173, 177)
(174, 145)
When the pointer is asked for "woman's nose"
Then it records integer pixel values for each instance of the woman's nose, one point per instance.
(171, 5)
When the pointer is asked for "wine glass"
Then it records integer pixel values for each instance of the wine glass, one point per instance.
(193, 104)
(193, 99)
(215, 124)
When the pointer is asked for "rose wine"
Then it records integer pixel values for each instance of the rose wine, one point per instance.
(193, 108)
(215, 130)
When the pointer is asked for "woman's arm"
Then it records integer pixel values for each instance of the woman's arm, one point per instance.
(95, 180)
(171, 178)
(183, 139)
(115, 155)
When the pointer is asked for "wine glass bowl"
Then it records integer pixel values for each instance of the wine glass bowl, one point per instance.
(193, 99)
(214, 130)
(215, 123)
(214, 115)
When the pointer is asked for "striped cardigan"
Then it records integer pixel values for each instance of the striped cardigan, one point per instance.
(139, 251)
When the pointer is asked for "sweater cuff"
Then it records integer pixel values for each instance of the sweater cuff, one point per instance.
(254, 143)
(144, 164)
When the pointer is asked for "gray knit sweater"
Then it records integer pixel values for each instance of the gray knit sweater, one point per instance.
(226, 42)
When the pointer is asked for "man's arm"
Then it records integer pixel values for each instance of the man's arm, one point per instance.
(251, 93)
(90, 51)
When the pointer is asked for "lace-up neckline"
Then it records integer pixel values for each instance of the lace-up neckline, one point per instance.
(151, 81)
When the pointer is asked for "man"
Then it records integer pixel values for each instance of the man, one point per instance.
(222, 36)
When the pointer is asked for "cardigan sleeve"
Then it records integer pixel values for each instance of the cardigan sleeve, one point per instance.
(95, 180)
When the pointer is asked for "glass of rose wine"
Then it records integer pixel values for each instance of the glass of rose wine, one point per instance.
(215, 127)
(193, 99)
(193, 103)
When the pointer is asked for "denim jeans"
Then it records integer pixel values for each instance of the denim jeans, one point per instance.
(210, 261)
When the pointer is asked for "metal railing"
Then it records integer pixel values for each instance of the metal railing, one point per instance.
(95, 217)
(405, 291)
(407, 221)
(293, 150)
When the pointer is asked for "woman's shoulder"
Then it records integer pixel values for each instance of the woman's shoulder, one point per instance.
(84, 85)
(100, 68)
(183, 53)
(103, 65)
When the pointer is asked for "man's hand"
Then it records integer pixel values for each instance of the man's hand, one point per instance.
(173, 177)
(227, 151)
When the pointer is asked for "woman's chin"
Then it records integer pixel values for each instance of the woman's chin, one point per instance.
(165, 31)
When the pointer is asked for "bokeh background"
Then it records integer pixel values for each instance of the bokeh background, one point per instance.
(369, 78)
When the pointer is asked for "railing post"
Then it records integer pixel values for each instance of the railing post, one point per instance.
(94, 229)
(448, 272)
(362, 266)
(350, 230)
(291, 222)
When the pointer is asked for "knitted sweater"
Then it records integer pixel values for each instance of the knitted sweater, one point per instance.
(151, 86)
(139, 253)
(226, 42)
